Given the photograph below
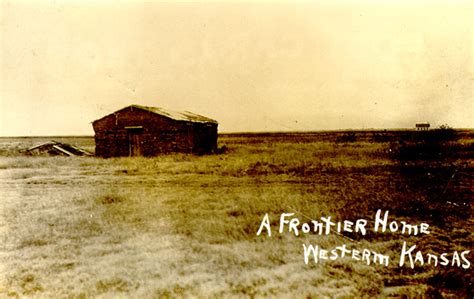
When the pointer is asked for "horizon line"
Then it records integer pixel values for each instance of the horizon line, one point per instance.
(250, 132)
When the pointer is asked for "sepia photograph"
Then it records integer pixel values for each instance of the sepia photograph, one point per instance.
(236, 149)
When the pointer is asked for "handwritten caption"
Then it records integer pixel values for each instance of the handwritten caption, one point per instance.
(408, 255)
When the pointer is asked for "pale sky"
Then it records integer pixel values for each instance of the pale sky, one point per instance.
(273, 66)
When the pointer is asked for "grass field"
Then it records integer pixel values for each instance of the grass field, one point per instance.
(185, 226)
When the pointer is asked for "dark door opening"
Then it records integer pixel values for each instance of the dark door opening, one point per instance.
(135, 142)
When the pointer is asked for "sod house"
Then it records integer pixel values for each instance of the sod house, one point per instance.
(148, 131)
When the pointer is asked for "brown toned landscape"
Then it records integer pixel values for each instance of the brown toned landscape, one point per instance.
(183, 225)
(357, 181)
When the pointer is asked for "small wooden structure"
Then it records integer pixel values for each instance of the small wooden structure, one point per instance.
(148, 131)
(422, 126)
(54, 148)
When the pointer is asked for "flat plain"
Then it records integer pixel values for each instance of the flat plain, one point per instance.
(182, 225)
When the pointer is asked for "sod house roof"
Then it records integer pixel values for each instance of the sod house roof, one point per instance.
(175, 115)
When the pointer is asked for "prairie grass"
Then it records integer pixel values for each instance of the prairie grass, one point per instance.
(185, 226)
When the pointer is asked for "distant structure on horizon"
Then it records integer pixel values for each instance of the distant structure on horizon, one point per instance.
(422, 126)
(149, 131)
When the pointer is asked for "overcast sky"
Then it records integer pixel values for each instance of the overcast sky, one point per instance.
(251, 66)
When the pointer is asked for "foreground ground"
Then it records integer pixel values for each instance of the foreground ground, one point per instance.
(183, 225)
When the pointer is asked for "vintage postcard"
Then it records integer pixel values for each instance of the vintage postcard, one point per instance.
(236, 149)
